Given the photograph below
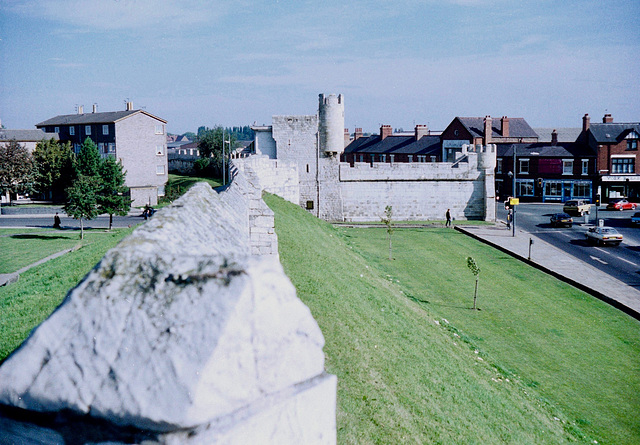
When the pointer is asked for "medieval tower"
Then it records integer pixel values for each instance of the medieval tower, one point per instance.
(331, 124)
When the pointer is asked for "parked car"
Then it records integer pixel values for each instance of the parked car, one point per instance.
(635, 219)
(603, 235)
(621, 204)
(577, 207)
(561, 219)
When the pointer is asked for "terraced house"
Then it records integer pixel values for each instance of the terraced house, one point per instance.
(616, 147)
(136, 138)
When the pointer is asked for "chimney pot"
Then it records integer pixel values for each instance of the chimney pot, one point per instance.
(586, 121)
(385, 131)
(505, 126)
(80, 109)
(95, 108)
(129, 106)
(421, 130)
(607, 119)
(357, 134)
(554, 137)
(488, 130)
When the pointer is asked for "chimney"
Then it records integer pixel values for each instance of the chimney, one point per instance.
(129, 106)
(357, 134)
(421, 130)
(385, 131)
(554, 137)
(586, 121)
(488, 130)
(347, 137)
(95, 108)
(505, 126)
(607, 119)
(80, 109)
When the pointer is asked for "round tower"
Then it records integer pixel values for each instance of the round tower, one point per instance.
(331, 124)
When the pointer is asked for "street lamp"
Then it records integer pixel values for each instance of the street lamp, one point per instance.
(513, 185)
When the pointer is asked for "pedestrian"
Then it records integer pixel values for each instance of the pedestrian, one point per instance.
(448, 216)
(56, 221)
(509, 218)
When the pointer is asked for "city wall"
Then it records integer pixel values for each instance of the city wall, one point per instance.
(187, 332)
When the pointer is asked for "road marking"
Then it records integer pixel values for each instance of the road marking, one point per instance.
(626, 261)
(598, 259)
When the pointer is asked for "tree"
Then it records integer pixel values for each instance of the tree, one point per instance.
(16, 169)
(88, 160)
(81, 199)
(112, 195)
(471, 264)
(387, 219)
(54, 168)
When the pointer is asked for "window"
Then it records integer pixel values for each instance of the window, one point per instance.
(585, 166)
(632, 141)
(623, 165)
(567, 166)
(553, 190)
(499, 166)
(72, 130)
(410, 158)
(159, 129)
(105, 129)
(87, 129)
(159, 169)
(111, 148)
(523, 166)
(582, 189)
(309, 205)
(524, 187)
(101, 147)
(160, 152)
(383, 158)
(56, 130)
(361, 158)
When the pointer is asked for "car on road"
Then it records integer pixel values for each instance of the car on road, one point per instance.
(621, 204)
(635, 219)
(603, 235)
(577, 207)
(561, 219)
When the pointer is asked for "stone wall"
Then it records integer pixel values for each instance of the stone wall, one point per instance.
(178, 335)
(181, 164)
(275, 176)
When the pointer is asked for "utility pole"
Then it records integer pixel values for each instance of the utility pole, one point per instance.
(513, 223)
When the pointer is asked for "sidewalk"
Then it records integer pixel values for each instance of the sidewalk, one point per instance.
(563, 266)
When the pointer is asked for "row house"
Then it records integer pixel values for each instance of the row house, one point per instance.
(616, 147)
(134, 137)
(389, 147)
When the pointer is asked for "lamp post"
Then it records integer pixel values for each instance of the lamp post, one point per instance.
(513, 222)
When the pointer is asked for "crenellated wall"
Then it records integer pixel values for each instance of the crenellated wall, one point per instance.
(187, 332)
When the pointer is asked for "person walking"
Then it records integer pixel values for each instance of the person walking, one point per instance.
(448, 216)
(56, 221)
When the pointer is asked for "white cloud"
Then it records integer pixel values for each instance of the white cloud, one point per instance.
(122, 14)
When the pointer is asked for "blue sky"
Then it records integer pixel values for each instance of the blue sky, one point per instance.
(406, 62)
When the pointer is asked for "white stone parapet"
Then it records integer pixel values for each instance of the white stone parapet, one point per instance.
(178, 335)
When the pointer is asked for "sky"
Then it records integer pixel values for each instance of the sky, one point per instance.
(400, 63)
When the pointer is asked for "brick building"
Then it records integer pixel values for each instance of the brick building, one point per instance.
(616, 147)
(134, 137)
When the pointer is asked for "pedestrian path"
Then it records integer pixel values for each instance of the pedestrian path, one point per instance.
(8, 278)
(564, 266)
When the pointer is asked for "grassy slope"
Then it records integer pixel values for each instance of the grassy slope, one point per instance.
(578, 352)
(40, 290)
(403, 376)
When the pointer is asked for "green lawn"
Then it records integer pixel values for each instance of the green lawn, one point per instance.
(177, 185)
(21, 247)
(25, 304)
(540, 363)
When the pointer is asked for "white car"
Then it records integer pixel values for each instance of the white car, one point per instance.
(603, 235)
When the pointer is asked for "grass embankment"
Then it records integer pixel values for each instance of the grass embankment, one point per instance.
(25, 304)
(177, 185)
(540, 363)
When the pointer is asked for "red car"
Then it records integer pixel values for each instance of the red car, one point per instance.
(621, 204)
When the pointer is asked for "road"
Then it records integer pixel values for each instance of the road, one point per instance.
(621, 262)
(46, 221)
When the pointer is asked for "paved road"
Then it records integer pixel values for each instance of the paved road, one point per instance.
(44, 221)
(621, 262)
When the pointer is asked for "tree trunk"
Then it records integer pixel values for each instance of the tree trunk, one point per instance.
(110, 220)
(390, 255)
(475, 294)
(81, 229)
